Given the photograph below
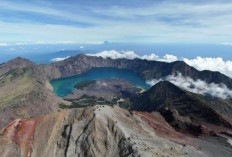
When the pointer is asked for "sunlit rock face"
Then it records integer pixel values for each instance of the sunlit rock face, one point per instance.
(95, 131)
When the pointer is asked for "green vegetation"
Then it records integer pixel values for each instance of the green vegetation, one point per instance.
(12, 75)
(86, 100)
(115, 99)
(14, 85)
(126, 104)
(81, 85)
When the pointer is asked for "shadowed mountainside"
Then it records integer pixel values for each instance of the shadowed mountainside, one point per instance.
(180, 108)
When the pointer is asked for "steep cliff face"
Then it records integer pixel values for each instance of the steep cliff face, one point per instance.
(96, 131)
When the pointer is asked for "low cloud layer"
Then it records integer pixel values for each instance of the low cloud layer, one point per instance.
(52, 43)
(226, 44)
(132, 55)
(59, 59)
(213, 64)
(3, 44)
(198, 86)
(208, 63)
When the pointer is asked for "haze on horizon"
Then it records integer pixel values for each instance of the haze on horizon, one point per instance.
(147, 21)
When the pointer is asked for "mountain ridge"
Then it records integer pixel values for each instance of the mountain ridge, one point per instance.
(144, 68)
(179, 108)
(96, 131)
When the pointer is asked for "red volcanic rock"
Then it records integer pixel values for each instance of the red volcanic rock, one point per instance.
(19, 132)
(102, 131)
(24, 136)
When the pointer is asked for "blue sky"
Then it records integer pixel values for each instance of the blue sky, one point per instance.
(151, 21)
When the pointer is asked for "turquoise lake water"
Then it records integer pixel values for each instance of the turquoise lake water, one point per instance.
(65, 86)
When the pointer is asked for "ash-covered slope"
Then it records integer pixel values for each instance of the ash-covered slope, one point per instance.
(97, 131)
(146, 69)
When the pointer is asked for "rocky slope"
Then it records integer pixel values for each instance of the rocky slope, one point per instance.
(15, 63)
(223, 106)
(24, 93)
(96, 131)
(181, 110)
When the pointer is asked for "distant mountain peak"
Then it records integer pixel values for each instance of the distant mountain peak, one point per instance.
(17, 62)
(20, 59)
(166, 88)
(165, 84)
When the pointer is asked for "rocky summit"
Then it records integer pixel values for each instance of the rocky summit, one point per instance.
(110, 117)
(94, 131)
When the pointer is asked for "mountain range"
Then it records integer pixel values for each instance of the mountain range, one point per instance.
(165, 120)
(146, 69)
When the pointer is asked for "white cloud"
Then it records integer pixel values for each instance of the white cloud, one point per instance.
(165, 58)
(169, 58)
(3, 44)
(113, 54)
(204, 22)
(22, 43)
(196, 86)
(92, 42)
(213, 64)
(43, 9)
(226, 44)
(58, 42)
(59, 59)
